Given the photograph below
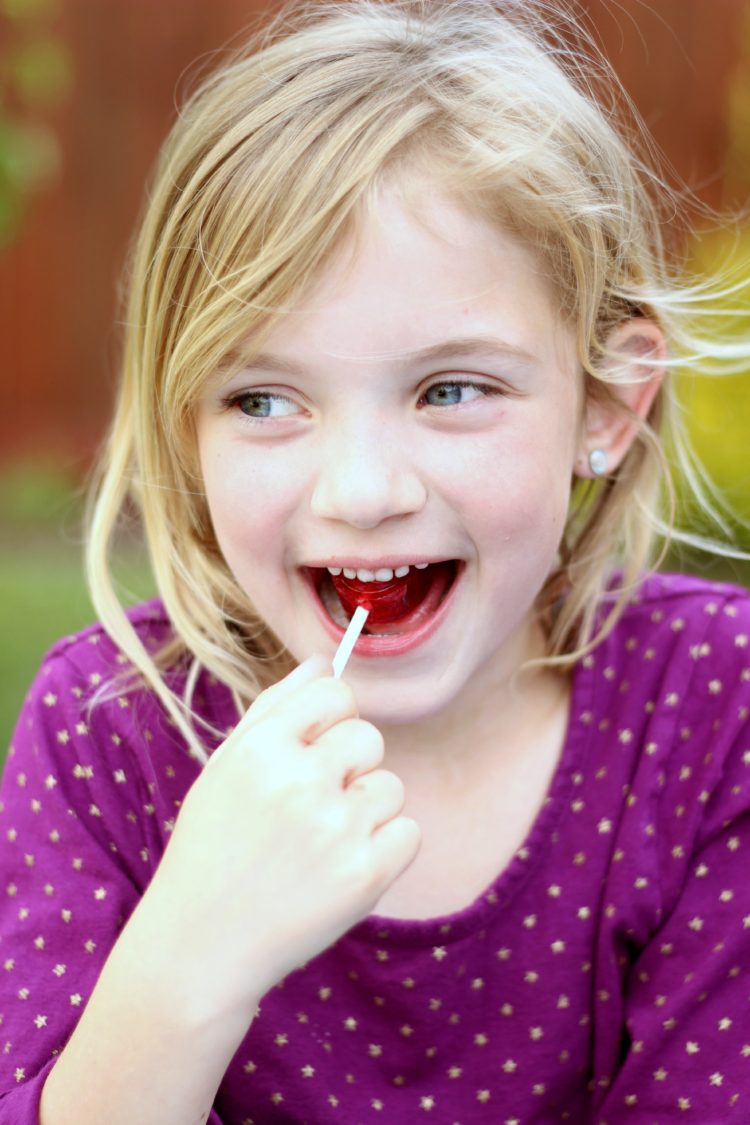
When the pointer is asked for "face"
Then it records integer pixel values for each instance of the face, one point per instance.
(421, 405)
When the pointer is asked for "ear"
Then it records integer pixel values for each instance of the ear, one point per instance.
(636, 352)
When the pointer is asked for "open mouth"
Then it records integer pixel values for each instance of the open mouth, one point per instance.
(398, 601)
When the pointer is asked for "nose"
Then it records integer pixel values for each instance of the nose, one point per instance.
(365, 478)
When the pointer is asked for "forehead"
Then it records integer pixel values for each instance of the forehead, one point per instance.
(412, 272)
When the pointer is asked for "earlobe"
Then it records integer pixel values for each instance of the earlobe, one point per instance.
(636, 352)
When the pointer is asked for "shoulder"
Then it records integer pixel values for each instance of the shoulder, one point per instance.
(86, 683)
(81, 697)
(679, 618)
(690, 594)
(100, 741)
(669, 722)
(683, 646)
(93, 650)
(673, 679)
(89, 669)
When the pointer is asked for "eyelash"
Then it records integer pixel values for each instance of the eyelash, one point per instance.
(232, 402)
(485, 390)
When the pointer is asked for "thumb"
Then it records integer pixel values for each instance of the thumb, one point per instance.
(314, 668)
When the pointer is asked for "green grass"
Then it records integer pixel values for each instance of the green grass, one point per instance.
(43, 599)
(43, 593)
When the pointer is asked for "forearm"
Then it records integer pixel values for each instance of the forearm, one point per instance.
(148, 1047)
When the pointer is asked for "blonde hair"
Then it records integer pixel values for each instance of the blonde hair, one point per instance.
(269, 165)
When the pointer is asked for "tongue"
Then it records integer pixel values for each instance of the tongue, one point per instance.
(387, 602)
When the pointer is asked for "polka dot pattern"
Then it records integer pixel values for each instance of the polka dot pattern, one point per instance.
(603, 977)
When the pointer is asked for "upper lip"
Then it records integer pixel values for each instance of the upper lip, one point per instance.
(355, 562)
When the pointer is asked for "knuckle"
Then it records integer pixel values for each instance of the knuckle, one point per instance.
(383, 787)
(365, 742)
(411, 831)
(340, 695)
(374, 738)
(395, 784)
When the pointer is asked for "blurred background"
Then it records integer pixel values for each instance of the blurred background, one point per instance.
(88, 89)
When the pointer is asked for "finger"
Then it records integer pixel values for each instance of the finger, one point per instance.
(351, 747)
(313, 709)
(381, 796)
(395, 846)
(315, 667)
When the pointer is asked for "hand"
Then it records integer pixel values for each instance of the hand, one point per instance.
(289, 837)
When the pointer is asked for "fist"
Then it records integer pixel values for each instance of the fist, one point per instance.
(288, 838)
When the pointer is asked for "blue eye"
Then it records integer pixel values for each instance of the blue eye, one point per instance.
(454, 394)
(263, 404)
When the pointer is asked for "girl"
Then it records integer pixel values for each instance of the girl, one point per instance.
(399, 334)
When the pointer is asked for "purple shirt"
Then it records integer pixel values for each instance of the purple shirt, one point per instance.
(603, 977)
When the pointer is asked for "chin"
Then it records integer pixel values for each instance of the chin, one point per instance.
(401, 701)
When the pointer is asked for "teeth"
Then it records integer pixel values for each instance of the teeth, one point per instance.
(383, 574)
(333, 605)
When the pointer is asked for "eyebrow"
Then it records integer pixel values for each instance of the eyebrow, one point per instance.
(448, 349)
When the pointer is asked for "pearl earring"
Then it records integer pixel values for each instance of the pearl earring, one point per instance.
(598, 462)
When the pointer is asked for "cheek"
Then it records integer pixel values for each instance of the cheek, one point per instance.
(528, 513)
(514, 485)
(249, 534)
(249, 500)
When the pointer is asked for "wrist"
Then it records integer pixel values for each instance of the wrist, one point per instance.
(158, 955)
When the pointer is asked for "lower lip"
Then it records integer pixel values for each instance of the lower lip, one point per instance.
(395, 644)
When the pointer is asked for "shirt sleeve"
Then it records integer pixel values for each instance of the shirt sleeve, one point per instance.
(686, 1051)
(74, 861)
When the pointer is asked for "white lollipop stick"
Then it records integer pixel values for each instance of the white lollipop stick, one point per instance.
(348, 641)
